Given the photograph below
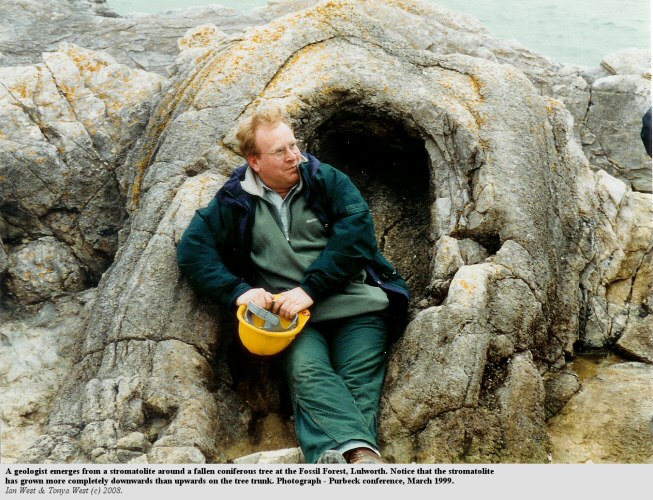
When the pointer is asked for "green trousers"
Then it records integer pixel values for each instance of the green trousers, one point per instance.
(335, 371)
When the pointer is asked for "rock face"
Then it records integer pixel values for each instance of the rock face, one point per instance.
(43, 269)
(66, 127)
(37, 352)
(144, 42)
(518, 253)
(608, 428)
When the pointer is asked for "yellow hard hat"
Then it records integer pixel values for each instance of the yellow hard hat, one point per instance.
(265, 333)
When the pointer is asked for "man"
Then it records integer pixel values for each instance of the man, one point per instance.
(287, 224)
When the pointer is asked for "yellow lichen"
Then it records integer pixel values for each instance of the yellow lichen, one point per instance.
(19, 90)
(470, 287)
(552, 105)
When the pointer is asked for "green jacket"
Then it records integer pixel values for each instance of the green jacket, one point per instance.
(214, 252)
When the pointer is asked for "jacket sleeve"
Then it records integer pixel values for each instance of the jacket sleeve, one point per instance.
(200, 261)
(352, 243)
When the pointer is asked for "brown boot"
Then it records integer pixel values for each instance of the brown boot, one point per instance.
(363, 456)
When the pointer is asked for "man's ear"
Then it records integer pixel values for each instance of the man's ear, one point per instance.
(253, 161)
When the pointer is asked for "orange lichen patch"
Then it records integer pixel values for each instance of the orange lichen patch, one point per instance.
(259, 45)
(19, 90)
(239, 61)
(478, 87)
(84, 61)
(272, 34)
(202, 36)
(552, 106)
(328, 10)
(72, 93)
(261, 39)
(463, 90)
(319, 60)
(470, 287)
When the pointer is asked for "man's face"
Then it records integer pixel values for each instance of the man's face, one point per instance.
(278, 158)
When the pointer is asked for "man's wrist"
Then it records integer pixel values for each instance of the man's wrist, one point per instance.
(238, 291)
(308, 290)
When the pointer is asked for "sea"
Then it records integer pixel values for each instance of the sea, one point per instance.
(579, 32)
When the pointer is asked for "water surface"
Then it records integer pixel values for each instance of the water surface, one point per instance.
(572, 31)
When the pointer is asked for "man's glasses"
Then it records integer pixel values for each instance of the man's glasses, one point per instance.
(280, 152)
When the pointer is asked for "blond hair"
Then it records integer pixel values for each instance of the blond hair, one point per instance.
(246, 134)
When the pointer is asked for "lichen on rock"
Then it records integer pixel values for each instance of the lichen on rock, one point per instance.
(519, 254)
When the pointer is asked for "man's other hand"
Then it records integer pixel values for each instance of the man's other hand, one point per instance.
(289, 303)
(258, 296)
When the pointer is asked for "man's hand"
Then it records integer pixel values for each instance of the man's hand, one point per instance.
(292, 302)
(259, 296)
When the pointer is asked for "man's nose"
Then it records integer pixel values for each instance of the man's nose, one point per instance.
(289, 153)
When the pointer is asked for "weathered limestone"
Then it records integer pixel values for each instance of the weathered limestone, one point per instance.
(147, 42)
(619, 285)
(67, 125)
(43, 269)
(37, 352)
(611, 433)
(608, 132)
(628, 62)
(519, 254)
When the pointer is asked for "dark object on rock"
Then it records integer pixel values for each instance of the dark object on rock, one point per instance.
(646, 131)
